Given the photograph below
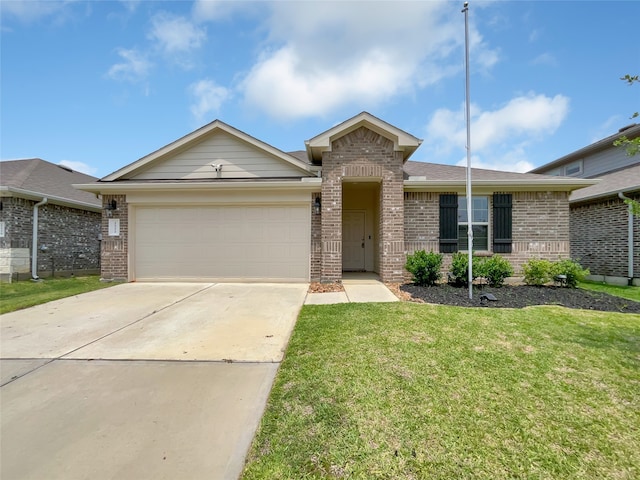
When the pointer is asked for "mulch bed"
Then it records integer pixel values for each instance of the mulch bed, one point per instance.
(519, 296)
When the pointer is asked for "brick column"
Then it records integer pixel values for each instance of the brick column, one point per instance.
(331, 221)
(392, 254)
(115, 249)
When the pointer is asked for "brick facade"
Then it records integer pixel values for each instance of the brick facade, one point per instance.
(599, 237)
(540, 225)
(115, 249)
(70, 236)
(315, 269)
(363, 154)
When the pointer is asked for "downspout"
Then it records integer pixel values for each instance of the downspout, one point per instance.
(629, 239)
(34, 245)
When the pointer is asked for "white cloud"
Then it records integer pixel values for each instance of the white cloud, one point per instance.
(31, 11)
(206, 10)
(393, 48)
(208, 98)
(134, 68)
(545, 59)
(520, 122)
(175, 34)
(79, 167)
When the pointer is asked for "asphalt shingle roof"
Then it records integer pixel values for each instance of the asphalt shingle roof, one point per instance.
(435, 171)
(625, 180)
(44, 178)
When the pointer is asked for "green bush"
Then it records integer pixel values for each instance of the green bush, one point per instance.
(425, 267)
(460, 269)
(537, 271)
(571, 269)
(495, 269)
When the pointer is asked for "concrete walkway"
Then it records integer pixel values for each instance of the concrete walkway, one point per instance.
(358, 288)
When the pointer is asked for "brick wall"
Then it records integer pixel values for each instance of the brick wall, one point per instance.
(71, 236)
(540, 225)
(316, 241)
(363, 154)
(115, 250)
(599, 237)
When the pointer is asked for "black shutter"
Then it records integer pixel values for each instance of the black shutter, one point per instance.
(502, 223)
(448, 223)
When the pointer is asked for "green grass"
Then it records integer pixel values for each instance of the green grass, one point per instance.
(407, 391)
(630, 293)
(23, 294)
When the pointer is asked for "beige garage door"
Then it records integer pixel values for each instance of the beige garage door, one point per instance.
(222, 243)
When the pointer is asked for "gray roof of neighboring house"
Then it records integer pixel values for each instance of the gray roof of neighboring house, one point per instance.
(630, 131)
(38, 178)
(625, 180)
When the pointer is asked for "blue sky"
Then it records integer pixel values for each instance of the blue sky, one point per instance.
(97, 85)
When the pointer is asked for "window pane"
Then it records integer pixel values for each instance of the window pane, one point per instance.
(480, 207)
(462, 209)
(480, 237)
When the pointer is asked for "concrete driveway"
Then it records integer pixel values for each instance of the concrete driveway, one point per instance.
(141, 380)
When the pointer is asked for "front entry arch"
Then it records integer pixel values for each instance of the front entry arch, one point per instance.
(360, 226)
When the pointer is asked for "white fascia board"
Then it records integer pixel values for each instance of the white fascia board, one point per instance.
(37, 196)
(310, 183)
(498, 185)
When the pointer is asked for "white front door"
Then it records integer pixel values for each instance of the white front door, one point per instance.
(353, 241)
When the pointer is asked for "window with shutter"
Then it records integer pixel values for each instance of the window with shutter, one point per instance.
(502, 223)
(448, 223)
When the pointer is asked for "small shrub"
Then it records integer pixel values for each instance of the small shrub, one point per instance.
(425, 267)
(537, 271)
(495, 269)
(460, 268)
(572, 269)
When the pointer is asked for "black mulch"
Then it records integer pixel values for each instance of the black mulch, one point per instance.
(519, 296)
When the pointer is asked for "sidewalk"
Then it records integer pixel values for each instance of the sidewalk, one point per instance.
(358, 288)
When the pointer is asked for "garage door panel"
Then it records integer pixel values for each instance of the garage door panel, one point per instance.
(222, 242)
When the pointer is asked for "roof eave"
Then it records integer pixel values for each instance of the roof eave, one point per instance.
(38, 196)
(496, 185)
(307, 183)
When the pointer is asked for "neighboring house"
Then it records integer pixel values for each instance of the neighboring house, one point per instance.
(605, 237)
(40, 208)
(218, 204)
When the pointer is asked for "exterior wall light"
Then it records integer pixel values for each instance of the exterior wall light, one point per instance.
(317, 206)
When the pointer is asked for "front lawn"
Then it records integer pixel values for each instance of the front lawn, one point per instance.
(408, 391)
(631, 293)
(23, 294)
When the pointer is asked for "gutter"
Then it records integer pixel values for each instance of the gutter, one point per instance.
(629, 239)
(34, 244)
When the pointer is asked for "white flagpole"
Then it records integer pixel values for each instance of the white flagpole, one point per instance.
(465, 10)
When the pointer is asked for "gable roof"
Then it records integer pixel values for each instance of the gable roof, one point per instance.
(436, 177)
(631, 132)
(198, 135)
(402, 141)
(36, 178)
(622, 181)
